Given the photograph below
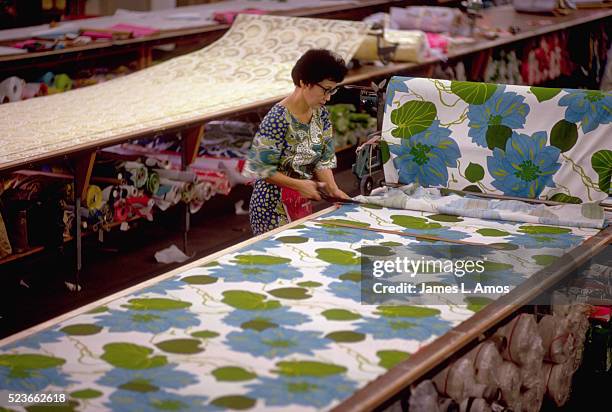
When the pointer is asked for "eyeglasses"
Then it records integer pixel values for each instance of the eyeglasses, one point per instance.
(328, 91)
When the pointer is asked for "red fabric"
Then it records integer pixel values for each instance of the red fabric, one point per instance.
(296, 205)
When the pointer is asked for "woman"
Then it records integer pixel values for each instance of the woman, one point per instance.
(293, 151)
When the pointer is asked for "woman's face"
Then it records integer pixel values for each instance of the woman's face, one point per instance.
(317, 94)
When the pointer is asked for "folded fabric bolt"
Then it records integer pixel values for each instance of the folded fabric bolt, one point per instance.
(412, 46)
(414, 197)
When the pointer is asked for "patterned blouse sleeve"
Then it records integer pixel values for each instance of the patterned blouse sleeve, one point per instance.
(328, 155)
(265, 152)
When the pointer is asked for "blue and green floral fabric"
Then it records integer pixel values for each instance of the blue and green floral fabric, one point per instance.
(277, 325)
(513, 140)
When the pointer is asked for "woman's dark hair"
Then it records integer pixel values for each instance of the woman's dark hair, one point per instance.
(317, 65)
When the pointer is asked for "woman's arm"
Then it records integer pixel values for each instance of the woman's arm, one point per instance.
(331, 188)
(305, 187)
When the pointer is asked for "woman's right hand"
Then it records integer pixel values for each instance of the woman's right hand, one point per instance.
(309, 189)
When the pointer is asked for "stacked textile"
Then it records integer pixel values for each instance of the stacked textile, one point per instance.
(522, 362)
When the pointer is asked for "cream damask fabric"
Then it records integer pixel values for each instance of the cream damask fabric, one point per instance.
(251, 62)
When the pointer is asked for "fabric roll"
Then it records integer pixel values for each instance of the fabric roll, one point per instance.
(158, 163)
(201, 193)
(121, 211)
(457, 381)
(169, 191)
(187, 192)
(180, 175)
(138, 173)
(126, 191)
(108, 214)
(509, 378)
(558, 381)
(486, 360)
(152, 183)
(110, 193)
(62, 82)
(140, 205)
(531, 399)
(94, 197)
(555, 338)
(412, 46)
(424, 398)
(11, 89)
(524, 342)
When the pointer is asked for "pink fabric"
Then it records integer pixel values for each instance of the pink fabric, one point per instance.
(98, 34)
(437, 41)
(228, 16)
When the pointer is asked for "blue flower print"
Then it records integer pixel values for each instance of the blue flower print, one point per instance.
(545, 240)
(502, 109)
(403, 328)
(346, 289)
(254, 273)
(276, 342)
(162, 288)
(263, 245)
(526, 167)
(26, 379)
(166, 376)
(282, 316)
(424, 157)
(343, 211)
(129, 401)
(154, 321)
(590, 108)
(396, 85)
(335, 271)
(36, 340)
(339, 234)
(315, 392)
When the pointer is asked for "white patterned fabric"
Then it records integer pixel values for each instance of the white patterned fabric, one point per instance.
(250, 63)
(412, 197)
(529, 142)
(278, 325)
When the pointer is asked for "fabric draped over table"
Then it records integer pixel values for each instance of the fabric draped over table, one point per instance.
(250, 63)
(509, 140)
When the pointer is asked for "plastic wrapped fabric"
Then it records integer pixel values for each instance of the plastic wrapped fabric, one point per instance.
(428, 18)
(509, 378)
(555, 338)
(412, 46)
(531, 399)
(524, 342)
(486, 361)
(558, 379)
(458, 382)
(474, 405)
(424, 397)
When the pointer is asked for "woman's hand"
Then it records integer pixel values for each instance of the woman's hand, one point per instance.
(337, 193)
(309, 189)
